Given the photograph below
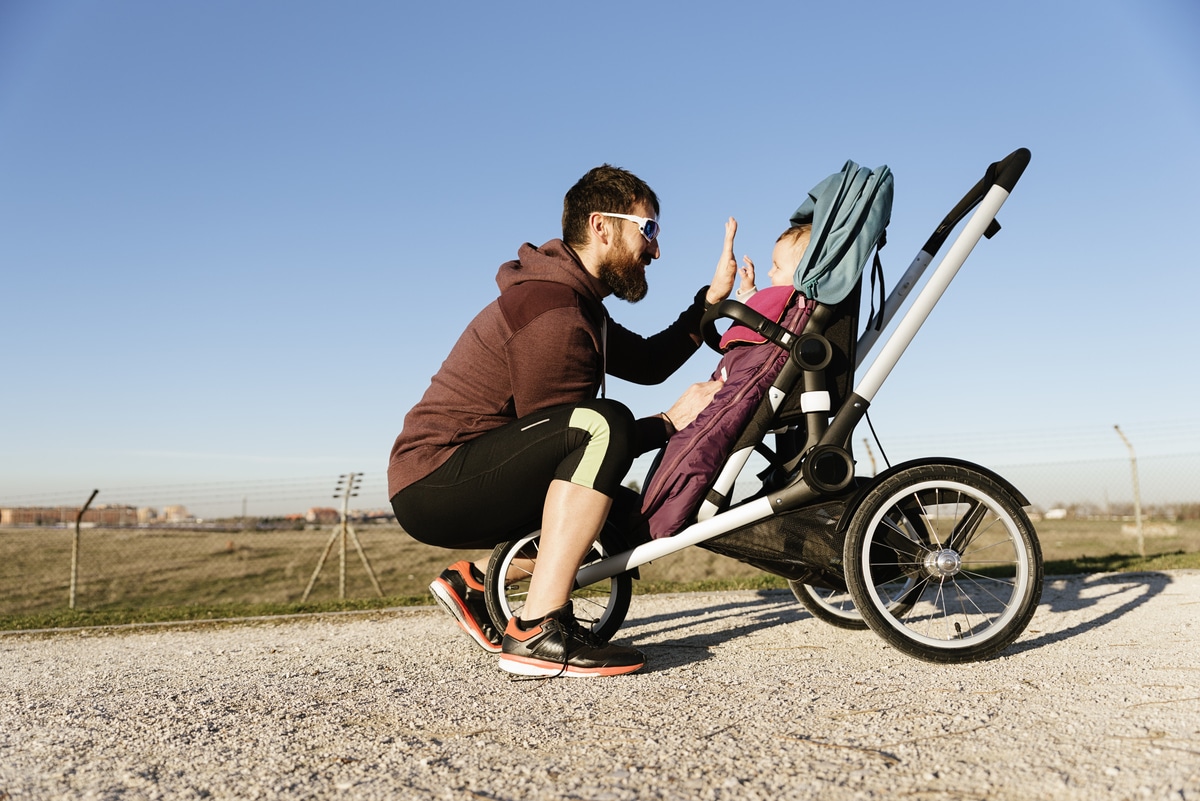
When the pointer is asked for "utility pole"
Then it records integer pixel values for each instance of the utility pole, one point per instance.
(871, 456)
(347, 488)
(1137, 494)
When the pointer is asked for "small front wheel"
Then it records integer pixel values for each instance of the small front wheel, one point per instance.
(599, 607)
(834, 607)
(837, 608)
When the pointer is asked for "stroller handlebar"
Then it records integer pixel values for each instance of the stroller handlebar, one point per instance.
(1003, 173)
(1010, 168)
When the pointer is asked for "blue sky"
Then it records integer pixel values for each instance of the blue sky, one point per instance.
(237, 238)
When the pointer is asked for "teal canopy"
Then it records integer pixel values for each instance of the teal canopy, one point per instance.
(849, 212)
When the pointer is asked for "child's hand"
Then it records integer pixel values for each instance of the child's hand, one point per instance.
(746, 273)
(722, 283)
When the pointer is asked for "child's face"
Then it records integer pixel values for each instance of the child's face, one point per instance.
(784, 260)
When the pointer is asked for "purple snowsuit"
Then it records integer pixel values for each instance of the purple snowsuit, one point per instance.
(695, 453)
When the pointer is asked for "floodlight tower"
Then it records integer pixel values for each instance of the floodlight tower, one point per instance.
(347, 488)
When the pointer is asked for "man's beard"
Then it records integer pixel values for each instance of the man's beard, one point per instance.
(625, 276)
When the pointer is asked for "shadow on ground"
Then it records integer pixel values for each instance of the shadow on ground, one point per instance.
(1085, 602)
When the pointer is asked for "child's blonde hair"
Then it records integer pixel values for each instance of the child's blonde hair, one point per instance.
(798, 234)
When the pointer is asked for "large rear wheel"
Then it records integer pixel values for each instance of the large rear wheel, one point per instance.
(956, 544)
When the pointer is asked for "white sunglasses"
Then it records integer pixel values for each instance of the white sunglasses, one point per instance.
(649, 228)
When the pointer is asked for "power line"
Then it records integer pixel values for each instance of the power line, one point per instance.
(1154, 435)
(204, 493)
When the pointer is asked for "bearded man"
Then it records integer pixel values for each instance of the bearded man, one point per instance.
(511, 431)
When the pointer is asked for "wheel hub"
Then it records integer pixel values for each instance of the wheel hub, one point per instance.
(944, 563)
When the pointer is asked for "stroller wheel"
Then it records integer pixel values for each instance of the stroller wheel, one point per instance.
(956, 547)
(832, 606)
(837, 608)
(600, 607)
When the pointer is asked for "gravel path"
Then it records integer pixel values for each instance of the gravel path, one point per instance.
(745, 696)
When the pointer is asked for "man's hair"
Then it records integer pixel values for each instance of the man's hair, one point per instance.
(605, 188)
(796, 233)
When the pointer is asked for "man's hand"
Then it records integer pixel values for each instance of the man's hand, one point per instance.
(722, 283)
(692, 402)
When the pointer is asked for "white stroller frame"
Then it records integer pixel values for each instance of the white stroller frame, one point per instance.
(893, 513)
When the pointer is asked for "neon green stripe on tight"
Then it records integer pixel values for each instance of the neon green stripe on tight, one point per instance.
(593, 455)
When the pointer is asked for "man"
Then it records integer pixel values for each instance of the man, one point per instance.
(510, 431)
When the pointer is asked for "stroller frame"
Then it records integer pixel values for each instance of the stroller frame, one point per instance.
(892, 551)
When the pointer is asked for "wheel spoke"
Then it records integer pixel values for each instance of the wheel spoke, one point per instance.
(600, 607)
(985, 584)
(967, 527)
(907, 531)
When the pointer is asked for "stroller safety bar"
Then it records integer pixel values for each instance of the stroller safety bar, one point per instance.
(741, 313)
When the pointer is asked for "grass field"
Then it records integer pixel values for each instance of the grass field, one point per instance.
(138, 575)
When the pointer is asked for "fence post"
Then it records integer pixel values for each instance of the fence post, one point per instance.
(75, 549)
(1137, 494)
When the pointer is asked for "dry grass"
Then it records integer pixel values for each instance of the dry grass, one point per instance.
(137, 568)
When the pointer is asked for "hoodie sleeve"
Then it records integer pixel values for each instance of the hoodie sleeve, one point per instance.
(651, 360)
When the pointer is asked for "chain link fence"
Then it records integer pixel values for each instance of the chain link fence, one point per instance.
(124, 557)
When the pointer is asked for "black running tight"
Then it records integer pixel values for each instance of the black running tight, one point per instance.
(496, 484)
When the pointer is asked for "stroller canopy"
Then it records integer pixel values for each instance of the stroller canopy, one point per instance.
(849, 212)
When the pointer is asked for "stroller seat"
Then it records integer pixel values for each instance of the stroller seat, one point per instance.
(694, 474)
(687, 464)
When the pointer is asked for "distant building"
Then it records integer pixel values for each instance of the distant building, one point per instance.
(373, 515)
(322, 514)
(176, 513)
(37, 515)
(105, 515)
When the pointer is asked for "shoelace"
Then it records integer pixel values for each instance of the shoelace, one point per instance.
(570, 630)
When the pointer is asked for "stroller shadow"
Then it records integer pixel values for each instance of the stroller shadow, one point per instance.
(1092, 595)
(1088, 602)
(767, 609)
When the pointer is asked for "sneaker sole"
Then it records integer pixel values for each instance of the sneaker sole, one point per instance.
(524, 666)
(448, 600)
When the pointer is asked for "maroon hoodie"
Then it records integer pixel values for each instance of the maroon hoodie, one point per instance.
(546, 341)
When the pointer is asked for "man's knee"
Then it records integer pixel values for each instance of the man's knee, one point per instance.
(608, 432)
(610, 418)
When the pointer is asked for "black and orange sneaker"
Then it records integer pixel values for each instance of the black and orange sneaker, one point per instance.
(459, 590)
(558, 646)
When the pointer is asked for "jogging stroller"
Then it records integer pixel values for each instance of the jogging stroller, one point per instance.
(936, 555)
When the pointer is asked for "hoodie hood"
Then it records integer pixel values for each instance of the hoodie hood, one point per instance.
(554, 262)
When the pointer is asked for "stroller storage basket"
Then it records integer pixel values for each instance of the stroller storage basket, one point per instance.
(804, 545)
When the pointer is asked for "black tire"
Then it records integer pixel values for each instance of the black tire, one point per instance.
(599, 607)
(836, 607)
(966, 550)
(831, 606)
